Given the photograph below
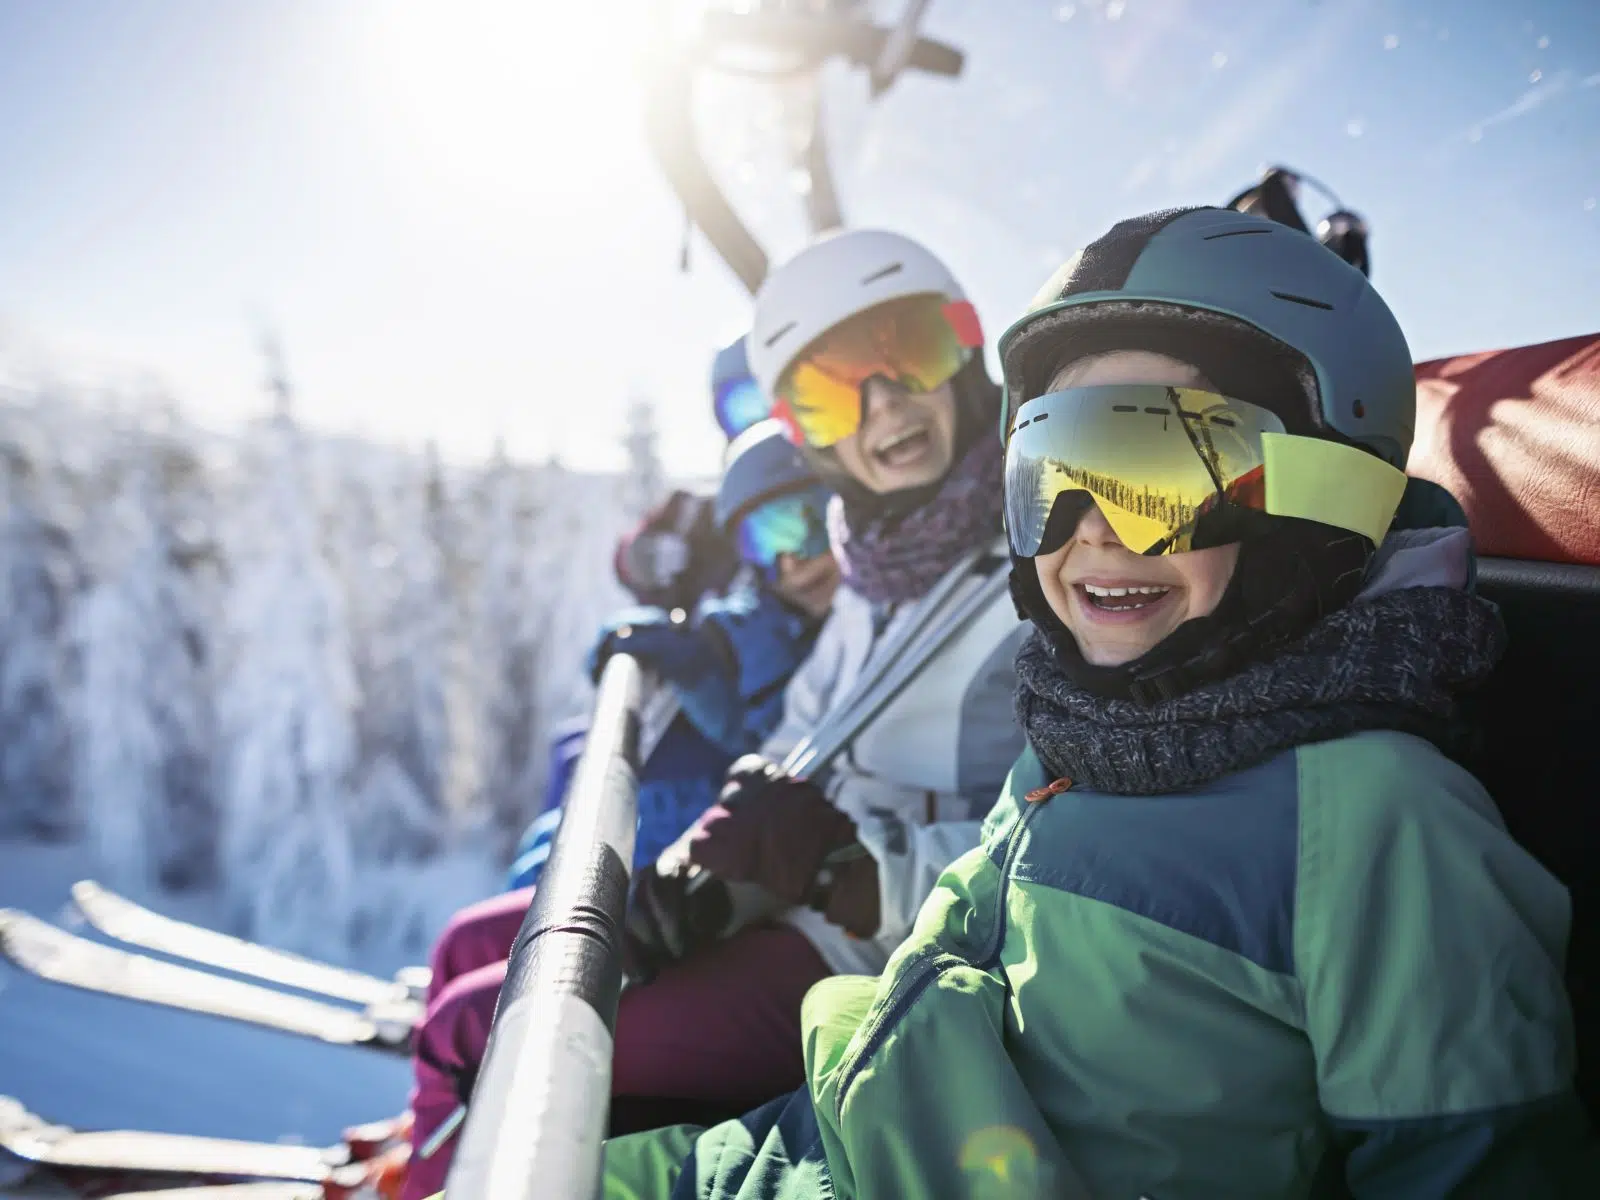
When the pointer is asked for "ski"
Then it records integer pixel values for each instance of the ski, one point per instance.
(120, 918)
(50, 953)
(168, 1157)
(267, 1190)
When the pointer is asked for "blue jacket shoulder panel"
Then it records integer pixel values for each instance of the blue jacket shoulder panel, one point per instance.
(767, 639)
(1217, 862)
(760, 642)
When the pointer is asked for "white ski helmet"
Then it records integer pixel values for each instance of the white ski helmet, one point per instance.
(830, 281)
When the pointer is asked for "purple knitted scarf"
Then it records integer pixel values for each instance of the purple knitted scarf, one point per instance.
(893, 560)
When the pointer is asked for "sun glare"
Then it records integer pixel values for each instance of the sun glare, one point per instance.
(522, 95)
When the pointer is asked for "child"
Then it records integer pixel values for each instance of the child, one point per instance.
(1240, 926)
(737, 403)
(729, 659)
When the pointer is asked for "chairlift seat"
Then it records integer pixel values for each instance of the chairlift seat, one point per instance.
(1514, 435)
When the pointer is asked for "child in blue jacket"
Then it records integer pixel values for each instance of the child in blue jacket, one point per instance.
(729, 661)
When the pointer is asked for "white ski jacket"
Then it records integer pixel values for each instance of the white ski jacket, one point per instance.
(920, 777)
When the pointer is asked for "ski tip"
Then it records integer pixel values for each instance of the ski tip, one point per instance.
(265, 1190)
(14, 1116)
(18, 932)
(415, 980)
(86, 889)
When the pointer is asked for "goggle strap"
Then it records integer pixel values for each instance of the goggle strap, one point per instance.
(1331, 483)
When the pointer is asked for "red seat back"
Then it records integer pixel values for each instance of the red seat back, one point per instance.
(1515, 436)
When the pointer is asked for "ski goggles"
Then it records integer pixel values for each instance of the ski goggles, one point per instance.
(917, 342)
(794, 524)
(1176, 469)
(738, 404)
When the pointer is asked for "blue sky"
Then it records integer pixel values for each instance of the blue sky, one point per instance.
(447, 211)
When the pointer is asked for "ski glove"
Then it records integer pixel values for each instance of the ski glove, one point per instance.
(677, 554)
(663, 641)
(785, 835)
(673, 910)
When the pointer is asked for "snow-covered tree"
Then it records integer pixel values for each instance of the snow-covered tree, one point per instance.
(449, 526)
(646, 480)
(142, 708)
(285, 710)
(401, 644)
(37, 578)
(509, 648)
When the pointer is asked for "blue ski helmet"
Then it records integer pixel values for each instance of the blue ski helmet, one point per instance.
(770, 501)
(736, 397)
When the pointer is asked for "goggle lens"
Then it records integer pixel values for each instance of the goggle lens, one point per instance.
(916, 342)
(794, 524)
(1173, 469)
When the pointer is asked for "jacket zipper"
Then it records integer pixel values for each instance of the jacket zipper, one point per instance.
(930, 965)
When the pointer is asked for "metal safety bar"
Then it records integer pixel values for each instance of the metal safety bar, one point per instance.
(539, 1107)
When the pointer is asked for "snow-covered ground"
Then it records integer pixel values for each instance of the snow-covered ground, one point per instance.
(96, 1061)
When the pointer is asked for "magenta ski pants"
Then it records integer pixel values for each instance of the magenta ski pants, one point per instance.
(721, 1028)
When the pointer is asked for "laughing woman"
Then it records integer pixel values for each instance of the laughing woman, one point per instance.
(875, 357)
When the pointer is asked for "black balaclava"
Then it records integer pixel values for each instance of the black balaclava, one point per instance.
(1290, 572)
(977, 400)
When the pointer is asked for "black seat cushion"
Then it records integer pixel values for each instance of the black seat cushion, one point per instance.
(1540, 756)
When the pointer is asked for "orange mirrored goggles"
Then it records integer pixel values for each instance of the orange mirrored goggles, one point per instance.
(916, 342)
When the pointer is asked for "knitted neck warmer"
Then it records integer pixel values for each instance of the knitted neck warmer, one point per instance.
(891, 559)
(1399, 660)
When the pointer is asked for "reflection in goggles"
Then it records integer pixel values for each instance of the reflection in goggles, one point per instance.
(918, 342)
(1171, 469)
(793, 524)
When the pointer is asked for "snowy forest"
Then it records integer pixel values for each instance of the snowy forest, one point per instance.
(313, 675)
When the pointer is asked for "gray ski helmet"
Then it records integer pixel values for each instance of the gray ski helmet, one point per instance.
(1214, 276)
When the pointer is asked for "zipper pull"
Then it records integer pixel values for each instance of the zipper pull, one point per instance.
(1053, 788)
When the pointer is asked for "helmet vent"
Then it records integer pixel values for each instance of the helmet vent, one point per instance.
(773, 340)
(1211, 237)
(1306, 300)
(883, 273)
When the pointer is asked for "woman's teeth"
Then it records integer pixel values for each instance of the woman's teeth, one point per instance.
(1121, 599)
(902, 447)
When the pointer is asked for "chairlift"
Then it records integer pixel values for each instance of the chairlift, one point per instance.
(774, 40)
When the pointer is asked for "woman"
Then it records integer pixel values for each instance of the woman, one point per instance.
(1240, 925)
(869, 345)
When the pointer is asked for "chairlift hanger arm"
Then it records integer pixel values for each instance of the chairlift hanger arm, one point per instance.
(814, 39)
(784, 45)
(670, 132)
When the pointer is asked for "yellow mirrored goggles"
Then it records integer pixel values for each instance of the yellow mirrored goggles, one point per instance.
(1172, 469)
(918, 342)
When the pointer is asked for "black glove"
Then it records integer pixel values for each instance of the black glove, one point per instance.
(769, 829)
(668, 919)
(785, 836)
